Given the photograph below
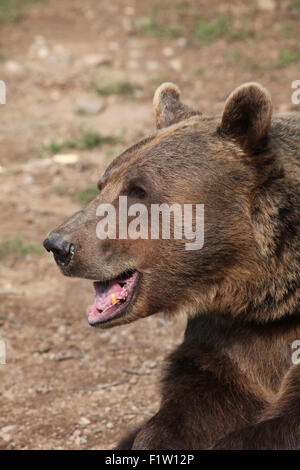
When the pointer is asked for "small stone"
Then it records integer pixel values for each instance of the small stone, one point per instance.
(97, 431)
(51, 59)
(267, 5)
(8, 428)
(83, 422)
(175, 64)
(55, 95)
(181, 42)
(129, 11)
(152, 364)
(44, 348)
(65, 159)
(13, 67)
(42, 52)
(133, 380)
(38, 48)
(152, 65)
(113, 339)
(27, 179)
(93, 60)
(109, 425)
(168, 51)
(89, 106)
(62, 330)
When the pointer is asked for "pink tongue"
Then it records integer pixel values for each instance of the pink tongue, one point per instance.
(103, 298)
(104, 301)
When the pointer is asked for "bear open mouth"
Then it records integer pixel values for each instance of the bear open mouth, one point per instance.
(112, 297)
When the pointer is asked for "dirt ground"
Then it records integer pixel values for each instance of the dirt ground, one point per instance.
(66, 385)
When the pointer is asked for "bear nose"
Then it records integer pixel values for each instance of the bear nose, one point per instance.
(62, 250)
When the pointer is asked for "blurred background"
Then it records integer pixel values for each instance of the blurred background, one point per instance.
(80, 77)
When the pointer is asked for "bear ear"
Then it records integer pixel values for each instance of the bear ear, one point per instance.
(168, 108)
(247, 115)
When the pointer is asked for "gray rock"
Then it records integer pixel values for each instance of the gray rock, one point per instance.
(89, 106)
(267, 5)
(13, 68)
(83, 422)
(93, 60)
(176, 64)
(152, 65)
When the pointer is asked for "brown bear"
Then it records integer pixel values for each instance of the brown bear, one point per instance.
(234, 382)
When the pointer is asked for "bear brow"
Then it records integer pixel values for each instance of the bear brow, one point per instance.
(130, 154)
(126, 155)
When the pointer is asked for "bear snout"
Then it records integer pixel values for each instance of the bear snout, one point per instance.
(62, 249)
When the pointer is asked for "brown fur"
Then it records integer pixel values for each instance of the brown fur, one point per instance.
(231, 384)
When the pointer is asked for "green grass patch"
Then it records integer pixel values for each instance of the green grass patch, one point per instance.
(288, 30)
(87, 195)
(199, 70)
(88, 140)
(295, 5)
(234, 56)
(181, 5)
(18, 247)
(253, 64)
(124, 87)
(149, 26)
(207, 31)
(286, 58)
(164, 19)
(12, 10)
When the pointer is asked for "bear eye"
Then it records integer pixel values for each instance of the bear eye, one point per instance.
(136, 191)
